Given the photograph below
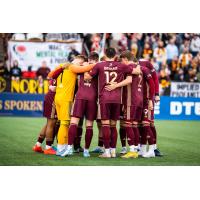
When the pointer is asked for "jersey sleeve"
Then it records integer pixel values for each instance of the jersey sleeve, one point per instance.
(156, 81)
(80, 69)
(94, 71)
(56, 72)
(128, 69)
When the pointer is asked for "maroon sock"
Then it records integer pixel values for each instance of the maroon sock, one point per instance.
(40, 139)
(88, 136)
(149, 135)
(130, 135)
(153, 129)
(143, 134)
(72, 133)
(122, 133)
(49, 143)
(100, 142)
(140, 129)
(106, 135)
(113, 141)
(80, 132)
(136, 136)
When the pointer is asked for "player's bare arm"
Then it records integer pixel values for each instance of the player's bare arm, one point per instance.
(114, 85)
(87, 76)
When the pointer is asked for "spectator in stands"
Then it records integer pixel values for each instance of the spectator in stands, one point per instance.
(164, 79)
(147, 51)
(195, 45)
(185, 58)
(179, 75)
(172, 50)
(29, 73)
(72, 54)
(15, 71)
(191, 76)
(96, 39)
(123, 43)
(43, 71)
(3, 70)
(160, 54)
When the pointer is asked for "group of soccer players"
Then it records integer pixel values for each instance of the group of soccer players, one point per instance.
(115, 88)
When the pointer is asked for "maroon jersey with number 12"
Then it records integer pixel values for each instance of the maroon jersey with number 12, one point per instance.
(108, 72)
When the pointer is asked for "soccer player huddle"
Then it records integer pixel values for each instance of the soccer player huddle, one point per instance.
(115, 88)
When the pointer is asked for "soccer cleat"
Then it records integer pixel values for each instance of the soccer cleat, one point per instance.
(86, 154)
(158, 153)
(149, 154)
(50, 151)
(130, 155)
(124, 150)
(37, 149)
(67, 152)
(105, 155)
(59, 152)
(98, 150)
(54, 148)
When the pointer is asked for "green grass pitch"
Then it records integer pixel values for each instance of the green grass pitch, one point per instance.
(178, 140)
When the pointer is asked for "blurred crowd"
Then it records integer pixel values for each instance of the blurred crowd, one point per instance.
(176, 56)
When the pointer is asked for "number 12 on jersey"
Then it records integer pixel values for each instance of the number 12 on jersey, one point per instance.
(110, 76)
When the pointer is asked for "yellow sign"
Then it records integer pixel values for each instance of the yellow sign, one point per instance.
(2, 84)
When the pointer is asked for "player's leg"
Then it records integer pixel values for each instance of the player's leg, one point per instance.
(104, 115)
(77, 142)
(49, 136)
(114, 116)
(113, 142)
(153, 129)
(88, 137)
(77, 112)
(64, 117)
(38, 146)
(99, 148)
(122, 134)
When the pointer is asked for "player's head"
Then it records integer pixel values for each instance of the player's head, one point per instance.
(93, 58)
(79, 60)
(110, 53)
(127, 57)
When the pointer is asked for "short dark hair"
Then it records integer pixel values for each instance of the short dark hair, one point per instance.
(128, 55)
(110, 52)
(94, 56)
(84, 58)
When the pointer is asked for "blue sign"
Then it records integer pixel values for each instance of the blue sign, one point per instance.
(169, 108)
(178, 108)
(15, 104)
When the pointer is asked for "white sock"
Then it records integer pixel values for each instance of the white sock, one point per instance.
(69, 147)
(132, 148)
(48, 147)
(155, 146)
(86, 150)
(107, 151)
(139, 146)
(151, 147)
(60, 147)
(113, 150)
(143, 148)
(38, 144)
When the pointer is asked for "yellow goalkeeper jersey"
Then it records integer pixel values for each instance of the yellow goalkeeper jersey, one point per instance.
(66, 81)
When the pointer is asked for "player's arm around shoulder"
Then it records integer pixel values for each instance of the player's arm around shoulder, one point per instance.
(80, 69)
(57, 71)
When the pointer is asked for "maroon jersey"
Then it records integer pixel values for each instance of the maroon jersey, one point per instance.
(87, 90)
(148, 64)
(133, 93)
(108, 72)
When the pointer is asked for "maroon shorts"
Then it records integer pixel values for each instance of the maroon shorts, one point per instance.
(147, 114)
(133, 113)
(49, 110)
(107, 111)
(84, 108)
